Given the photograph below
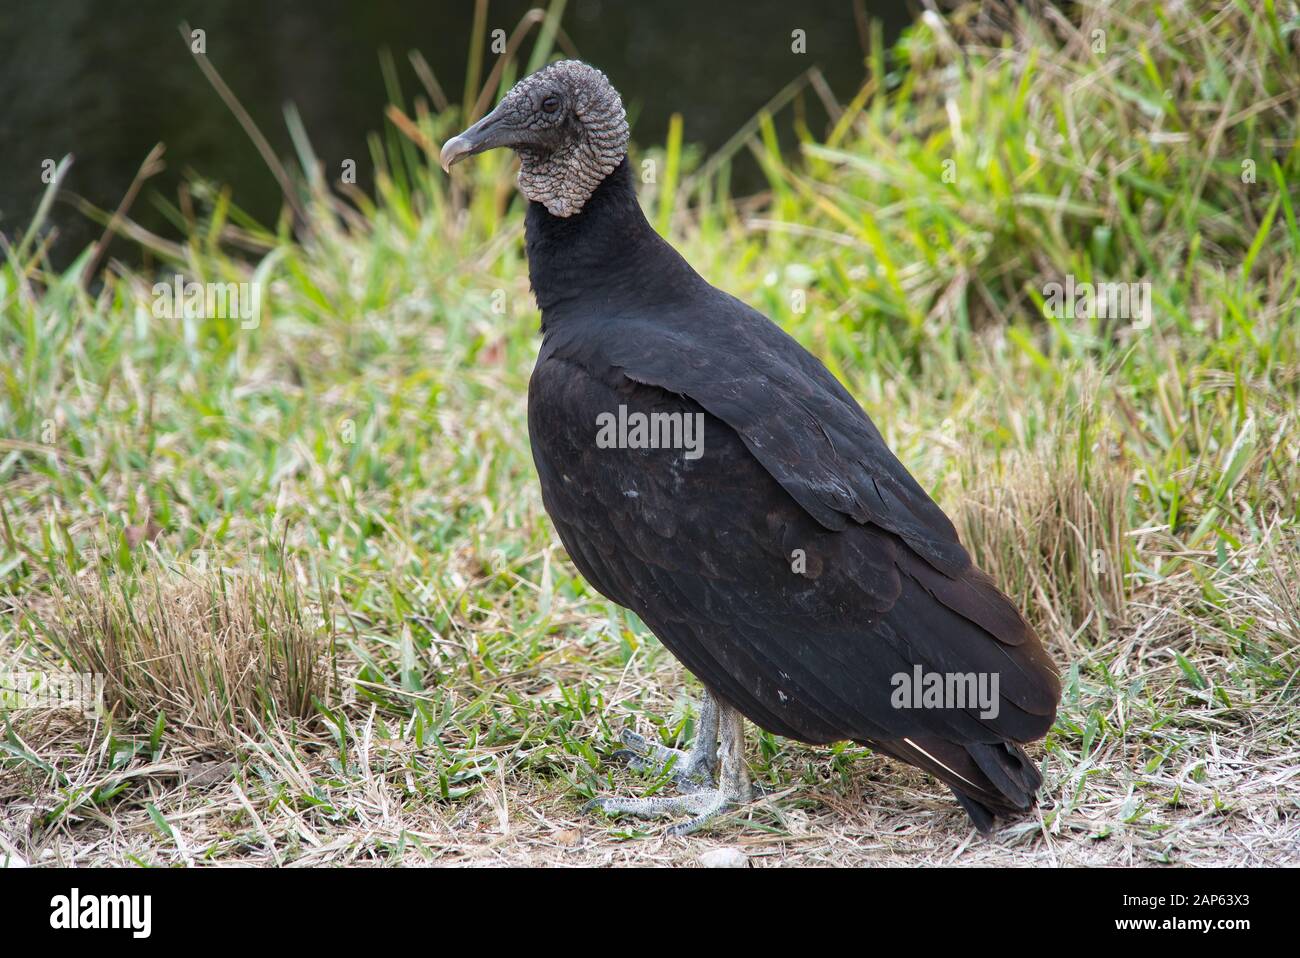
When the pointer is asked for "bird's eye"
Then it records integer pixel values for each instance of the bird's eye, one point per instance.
(551, 104)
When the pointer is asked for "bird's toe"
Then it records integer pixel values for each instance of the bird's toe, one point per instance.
(688, 770)
(702, 806)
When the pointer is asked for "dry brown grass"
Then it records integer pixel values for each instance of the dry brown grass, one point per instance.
(1162, 769)
(1052, 528)
(217, 654)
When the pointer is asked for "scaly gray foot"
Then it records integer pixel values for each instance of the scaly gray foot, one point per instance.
(703, 806)
(690, 770)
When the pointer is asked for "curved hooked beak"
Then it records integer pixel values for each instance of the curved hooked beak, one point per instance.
(487, 134)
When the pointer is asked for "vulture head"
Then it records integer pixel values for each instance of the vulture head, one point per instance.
(566, 122)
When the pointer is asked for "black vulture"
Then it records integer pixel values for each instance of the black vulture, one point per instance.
(705, 471)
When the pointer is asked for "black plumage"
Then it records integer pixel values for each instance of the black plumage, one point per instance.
(702, 548)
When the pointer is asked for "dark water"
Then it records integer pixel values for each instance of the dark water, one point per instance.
(107, 79)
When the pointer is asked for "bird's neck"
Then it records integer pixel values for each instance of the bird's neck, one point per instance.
(599, 256)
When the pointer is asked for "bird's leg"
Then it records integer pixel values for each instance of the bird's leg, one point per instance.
(703, 804)
(691, 770)
(733, 776)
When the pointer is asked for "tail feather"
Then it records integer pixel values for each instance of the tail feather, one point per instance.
(988, 780)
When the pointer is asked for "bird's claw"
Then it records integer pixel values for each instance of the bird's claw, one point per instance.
(689, 771)
(710, 779)
(703, 806)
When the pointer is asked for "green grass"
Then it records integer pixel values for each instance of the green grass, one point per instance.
(358, 464)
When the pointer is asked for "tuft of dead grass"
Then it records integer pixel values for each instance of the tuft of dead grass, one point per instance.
(217, 654)
(1051, 527)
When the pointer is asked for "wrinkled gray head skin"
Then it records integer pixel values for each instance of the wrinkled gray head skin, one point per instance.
(566, 122)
